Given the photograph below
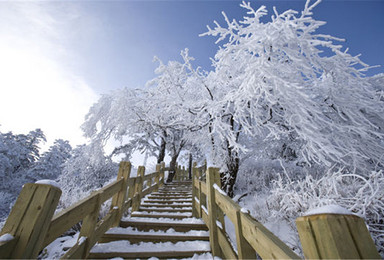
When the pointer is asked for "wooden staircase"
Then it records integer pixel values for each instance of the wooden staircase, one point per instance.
(163, 227)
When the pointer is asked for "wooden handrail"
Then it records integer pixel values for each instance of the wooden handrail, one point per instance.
(342, 236)
(29, 227)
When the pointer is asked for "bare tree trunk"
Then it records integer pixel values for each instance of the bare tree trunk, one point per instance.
(190, 167)
(228, 178)
(172, 167)
(161, 156)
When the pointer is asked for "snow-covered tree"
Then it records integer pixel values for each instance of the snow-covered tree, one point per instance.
(280, 80)
(18, 153)
(154, 120)
(87, 169)
(51, 163)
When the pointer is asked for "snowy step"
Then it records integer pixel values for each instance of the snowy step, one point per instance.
(154, 209)
(167, 201)
(145, 214)
(172, 206)
(125, 249)
(169, 198)
(180, 225)
(135, 236)
(171, 192)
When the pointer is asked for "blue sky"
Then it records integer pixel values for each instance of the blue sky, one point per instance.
(57, 57)
(135, 31)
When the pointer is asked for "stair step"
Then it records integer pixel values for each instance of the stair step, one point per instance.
(183, 225)
(153, 209)
(150, 205)
(135, 236)
(170, 196)
(125, 249)
(161, 191)
(167, 201)
(160, 215)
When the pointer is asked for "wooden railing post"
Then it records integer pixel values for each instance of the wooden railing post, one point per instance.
(84, 245)
(213, 177)
(244, 249)
(335, 236)
(176, 172)
(157, 178)
(202, 197)
(119, 199)
(194, 190)
(138, 188)
(29, 220)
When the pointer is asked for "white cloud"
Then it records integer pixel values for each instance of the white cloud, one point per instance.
(37, 89)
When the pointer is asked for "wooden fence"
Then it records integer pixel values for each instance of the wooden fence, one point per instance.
(33, 225)
(323, 236)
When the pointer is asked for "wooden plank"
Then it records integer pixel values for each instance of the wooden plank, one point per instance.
(109, 190)
(76, 252)
(197, 206)
(138, 188)
(265, 243)
(120, 197)
(6, 248)
(127, 204)
(227, 205)
(200, 197)
(165, 205)
(307, 238)
(31, 227)
(203, 187)
(336, 236)
(136, 255)
(103, 225)
(150, 176)
(213, 177)
(67, 218)
(244, 249)
(196, 184)
(164, 210)
(88, 226)
(157, 177)
(153, 215)
(149, 237)
(226, 246)
(177, 226)
(362, 238)
(17, 213)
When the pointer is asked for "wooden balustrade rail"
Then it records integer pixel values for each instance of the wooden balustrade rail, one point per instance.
(323, 236)
(33, 225)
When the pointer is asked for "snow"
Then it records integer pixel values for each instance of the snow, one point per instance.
(6, 237)
(205, 209)
(125, 246)
(138, 213)
(170, 232)
(49, 182)
(245, 210)
(216, 187)
(81, 240)
(164, 220)
(55, 250)
(329, 209)
(144, 208)
(218, 224)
